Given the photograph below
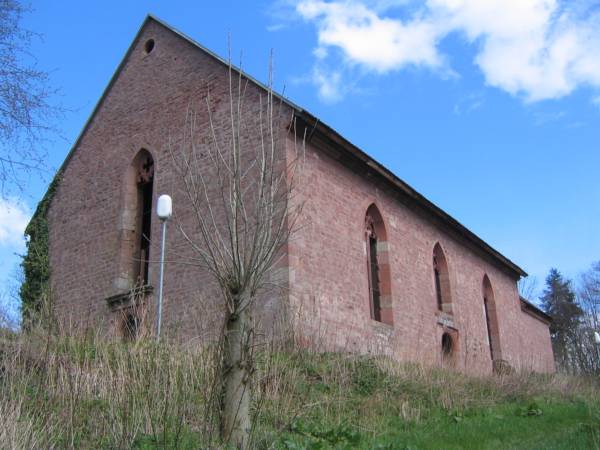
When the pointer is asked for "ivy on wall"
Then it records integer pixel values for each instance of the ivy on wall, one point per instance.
(36, 263)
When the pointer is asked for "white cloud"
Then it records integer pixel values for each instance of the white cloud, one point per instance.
(330, 89)
(535, 49)
(365, 38)
(14, 217)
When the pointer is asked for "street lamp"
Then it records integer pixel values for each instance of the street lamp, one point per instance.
(597, 342)
(164, 210)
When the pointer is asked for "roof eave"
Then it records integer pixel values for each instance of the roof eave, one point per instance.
(534, 311)
(327, 130)
(96, 107)
(407, 190)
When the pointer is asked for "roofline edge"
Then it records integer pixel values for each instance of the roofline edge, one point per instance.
(380, 169)
(420, 199)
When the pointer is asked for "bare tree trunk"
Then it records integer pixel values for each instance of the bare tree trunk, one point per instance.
(238, 180)
(237, 375)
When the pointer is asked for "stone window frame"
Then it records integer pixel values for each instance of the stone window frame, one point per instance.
(378, 267)
(441, 280)
(491, 319)
(130, 224)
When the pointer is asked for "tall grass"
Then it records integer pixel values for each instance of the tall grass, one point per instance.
(86, 392)
(67, 390)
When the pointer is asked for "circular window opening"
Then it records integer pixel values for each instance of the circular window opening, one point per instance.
(447, 345)
(149, 46)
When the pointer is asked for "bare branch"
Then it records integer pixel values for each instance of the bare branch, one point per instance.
(238, 179)
(26, 112)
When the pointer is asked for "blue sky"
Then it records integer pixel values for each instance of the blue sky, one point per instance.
(491, 109)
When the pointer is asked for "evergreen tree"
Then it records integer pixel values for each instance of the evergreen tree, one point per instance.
(560, 303)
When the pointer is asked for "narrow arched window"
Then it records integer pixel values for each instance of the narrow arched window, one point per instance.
(449, 342)
(438, 284)
(373, 264)
(135, 222)
(441, 279)
(145, 185)
(378, 268)
(491, 320)
(447, 345)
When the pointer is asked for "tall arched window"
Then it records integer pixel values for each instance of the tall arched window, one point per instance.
(378, 267)
(491, 319)
(136, 222)
(441, 279)
(145, 185)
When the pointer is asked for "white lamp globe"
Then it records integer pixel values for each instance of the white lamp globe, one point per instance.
(164, 207)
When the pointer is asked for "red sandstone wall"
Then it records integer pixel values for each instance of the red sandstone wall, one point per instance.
(145, 108)
(534, 335)
(329, 286)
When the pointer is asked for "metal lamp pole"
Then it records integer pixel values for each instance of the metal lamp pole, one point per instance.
(164, 210)
(597, 342)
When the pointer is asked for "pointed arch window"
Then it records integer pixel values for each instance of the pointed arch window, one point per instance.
(491, 320)
(373, 263)
(441, 277)
(135, 223)
(145, 185)
(378, 268)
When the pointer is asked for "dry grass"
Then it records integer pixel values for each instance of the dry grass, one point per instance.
(61, 391)
(86, 392)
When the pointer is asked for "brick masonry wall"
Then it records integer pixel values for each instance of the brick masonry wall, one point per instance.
(329, 283)
(146, 108)
(535, 337)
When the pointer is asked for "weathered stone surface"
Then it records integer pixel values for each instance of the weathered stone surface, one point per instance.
(324, 273)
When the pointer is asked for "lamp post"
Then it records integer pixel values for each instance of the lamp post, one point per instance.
(164, 210)
(597, 342)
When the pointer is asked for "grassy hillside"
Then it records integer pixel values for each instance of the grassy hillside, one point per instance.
(67, 392)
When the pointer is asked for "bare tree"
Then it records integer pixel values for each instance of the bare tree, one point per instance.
(589, 294)
(529, 288)
(577, 351)
(10, 299)
(238, 180)
(6, 317)
(26, 114)
(589, 299)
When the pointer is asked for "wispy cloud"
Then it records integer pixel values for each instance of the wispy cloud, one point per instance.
(534, 49)
(577, 125)
(276, 27)
(329, 83)
(468, 103)
(14, 217)
(545, 117)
